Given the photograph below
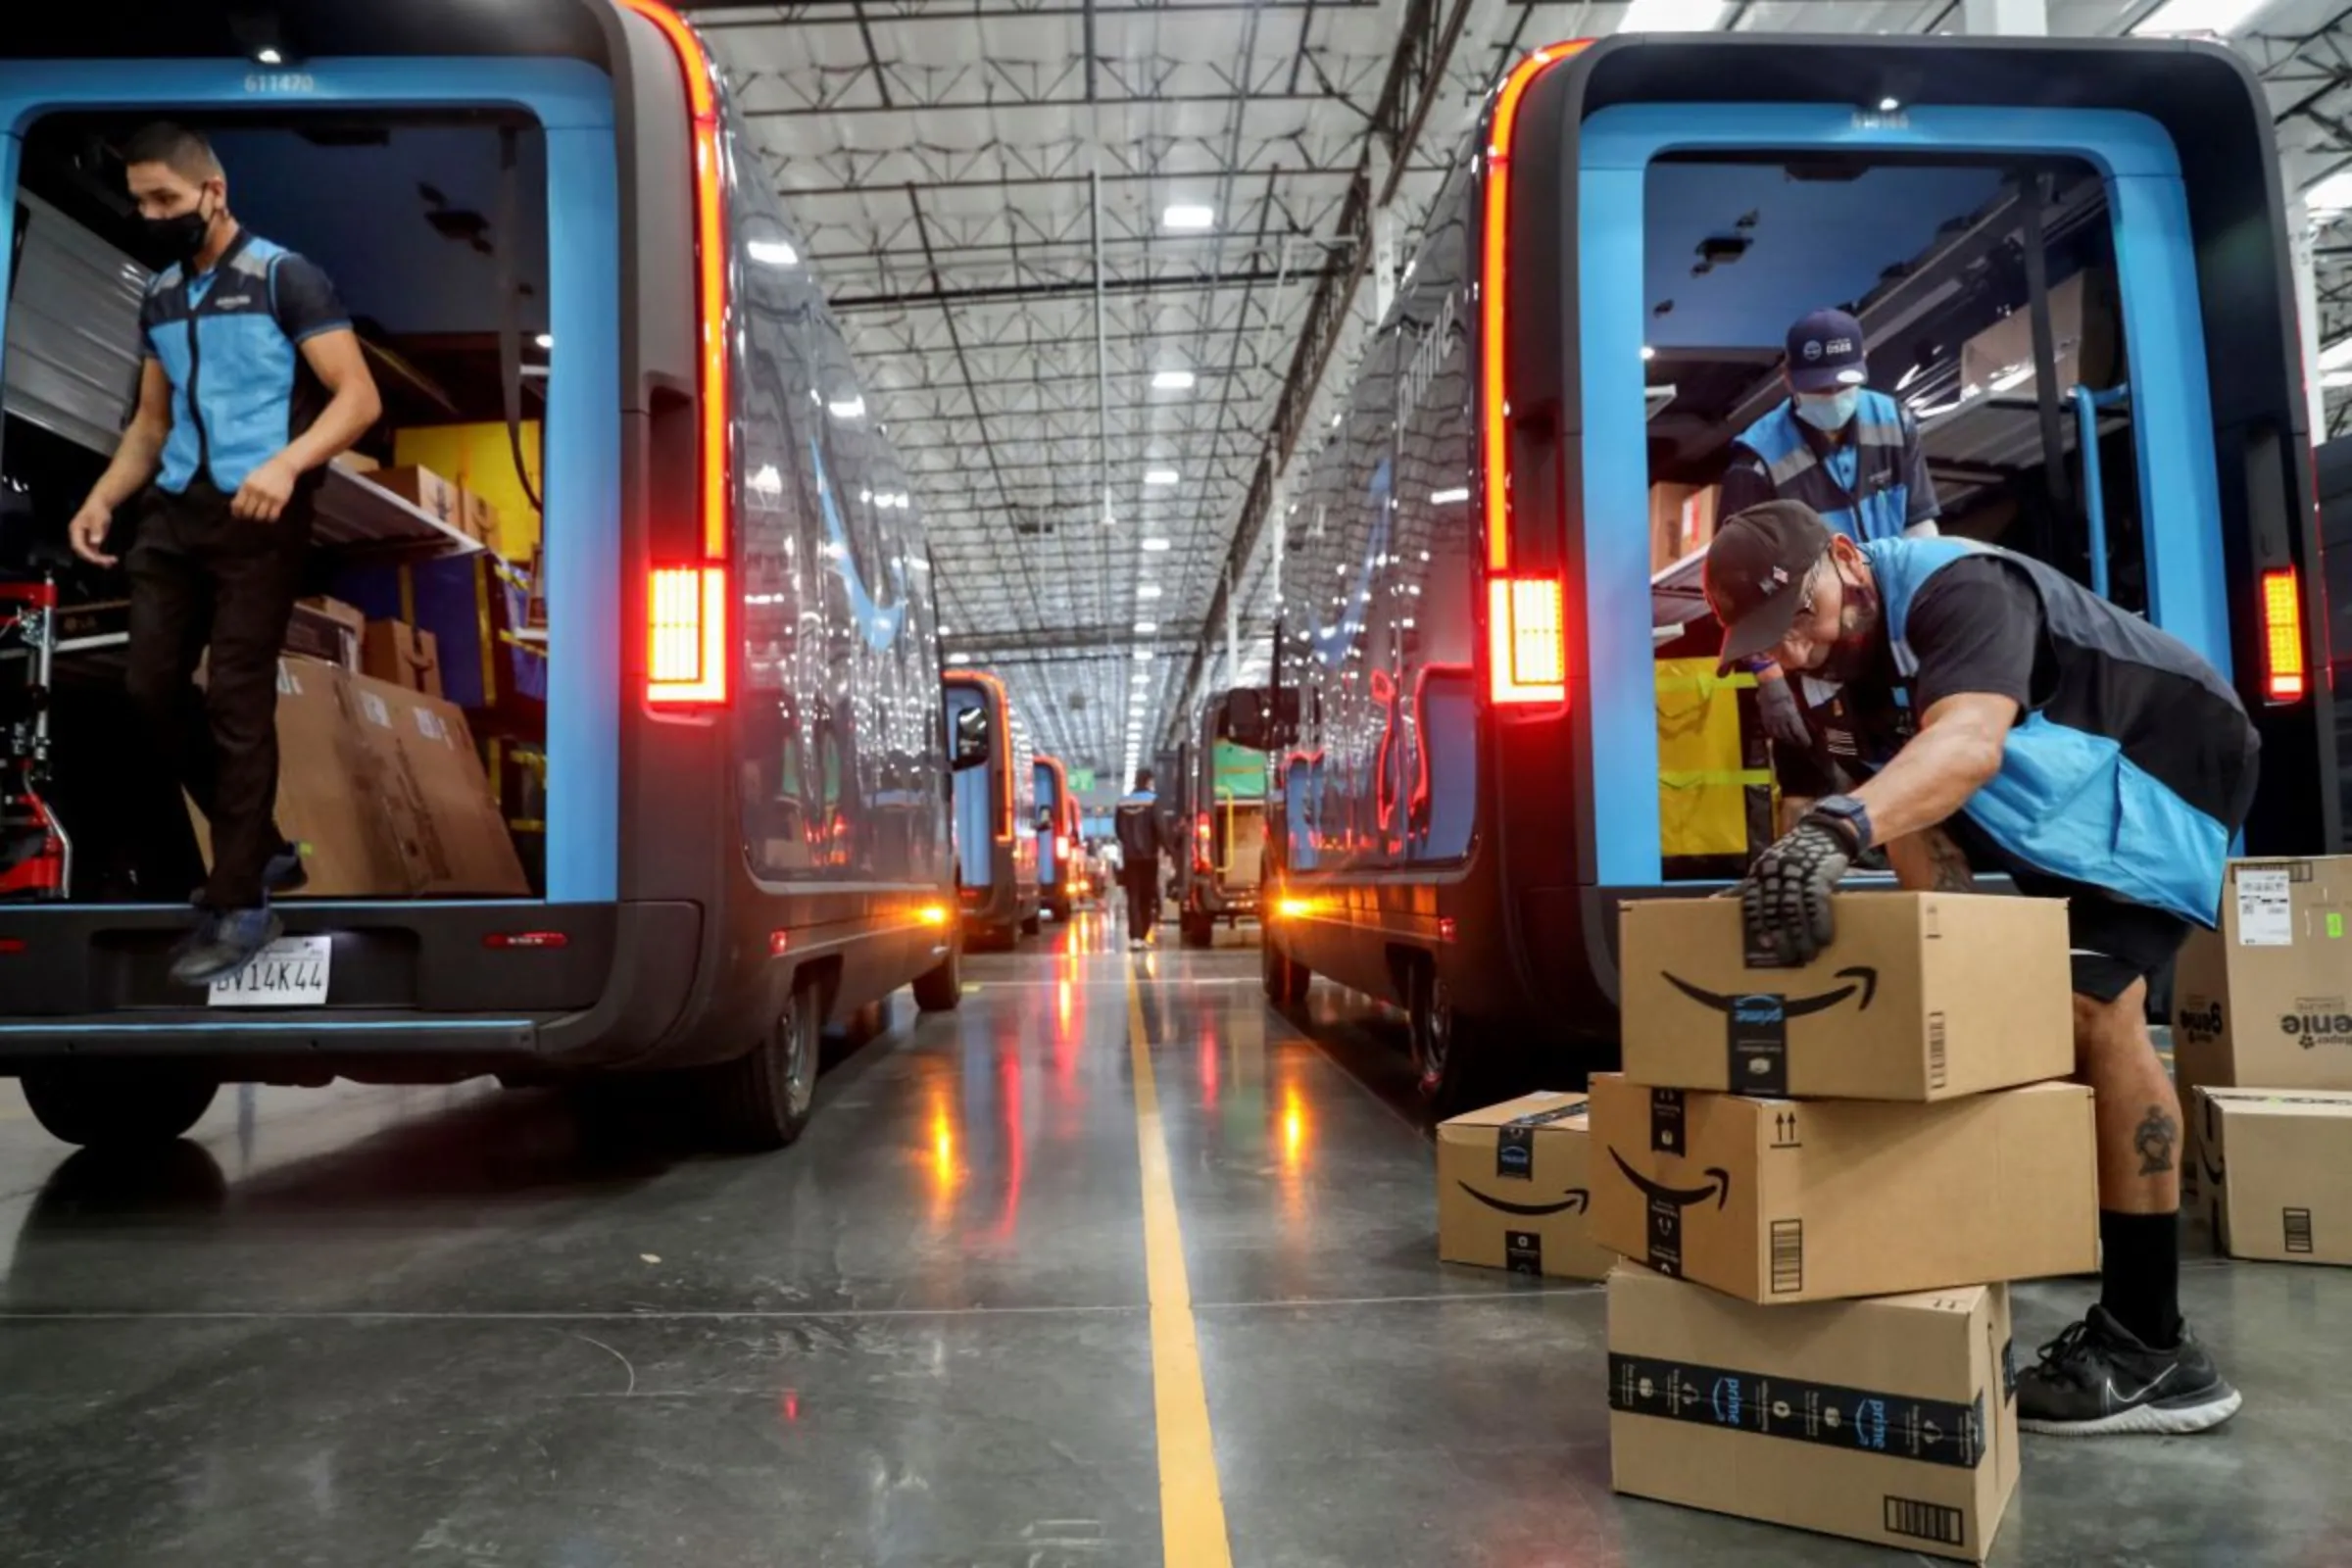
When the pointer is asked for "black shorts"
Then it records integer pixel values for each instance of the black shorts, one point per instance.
(2113, 941)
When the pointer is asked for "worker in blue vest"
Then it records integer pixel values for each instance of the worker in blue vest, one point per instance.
(2009, 719)
(1850, 454)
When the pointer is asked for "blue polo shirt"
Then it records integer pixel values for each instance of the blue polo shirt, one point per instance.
(230, 342)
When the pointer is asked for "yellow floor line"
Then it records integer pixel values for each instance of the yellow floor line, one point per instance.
(1192, 1508)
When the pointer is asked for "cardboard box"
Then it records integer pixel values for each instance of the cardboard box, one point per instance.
(1891, 1420)
(427, 491)
(396, 651)
(2277, 1168)
(325, 629)
(1513, 1186)
(2267, 1000)
(436, 794)
(1681, 518)
(382, 790)
(1789, 1201)
(354, 463)
(480, 517)
(1923, 996)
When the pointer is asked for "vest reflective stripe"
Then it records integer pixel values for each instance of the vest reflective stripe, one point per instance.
(1863, 491)
(2068, 801)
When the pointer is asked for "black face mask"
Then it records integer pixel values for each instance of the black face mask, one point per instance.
(1849, 656)
(179, 239)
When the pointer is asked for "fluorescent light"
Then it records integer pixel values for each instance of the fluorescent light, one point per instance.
(959, 659)
(1142, 655)
(2198, 16)
(771, 252)
(1673, 16)
(1185, 214)
(1450, 498)
(767, 481)
(1155, 546)
(2336, 379)
(2337, 356)
(1159, 476)
(1649, 353)
(2331, 195)
(269, 57)
(852, 408)
(1889, 106)
(1148, 590)
(1144, 629)
(546, 340)
(1143, 677)
(1173, 381)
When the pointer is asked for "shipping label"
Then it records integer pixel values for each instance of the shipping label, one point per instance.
(2265, 914)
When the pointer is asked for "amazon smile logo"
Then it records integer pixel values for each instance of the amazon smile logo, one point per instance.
(1766, 1007)
(1720, 1189)
(1574, 1201)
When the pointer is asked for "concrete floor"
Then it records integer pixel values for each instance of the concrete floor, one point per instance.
(434, 1327)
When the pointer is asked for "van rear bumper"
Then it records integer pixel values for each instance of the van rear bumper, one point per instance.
(479, 984)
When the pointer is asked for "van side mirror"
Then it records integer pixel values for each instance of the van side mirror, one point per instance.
(1262, 718)
(968, 738)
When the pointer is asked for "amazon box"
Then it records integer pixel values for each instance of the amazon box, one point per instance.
(1512, 1188)
(2278, 1172)
(1808, 1200)
(1924, 996)
(1891, 1420)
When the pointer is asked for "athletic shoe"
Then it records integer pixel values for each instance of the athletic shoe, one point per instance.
(284, 875)
(2098, 1378)
(1135, 944)
(224, 942)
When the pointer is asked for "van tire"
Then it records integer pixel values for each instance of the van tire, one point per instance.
(1446, 1044)
(939, 988)
(762, 1098)
(118, 1108)
(1285, 979)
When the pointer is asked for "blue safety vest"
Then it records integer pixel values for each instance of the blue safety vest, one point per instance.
(237, 385)
(1860, 489)
(2136, 767)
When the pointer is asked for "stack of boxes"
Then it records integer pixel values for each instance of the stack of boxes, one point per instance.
(2262, 1047)
(1786, 1152)
(1789, 1150)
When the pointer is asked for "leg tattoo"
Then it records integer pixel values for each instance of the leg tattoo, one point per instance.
(2154, 1140)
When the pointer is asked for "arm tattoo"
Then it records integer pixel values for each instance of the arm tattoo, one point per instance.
(1953, 874)
(2154, 1140)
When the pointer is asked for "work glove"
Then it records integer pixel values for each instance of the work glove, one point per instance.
(1785, 901)
(1784, 720)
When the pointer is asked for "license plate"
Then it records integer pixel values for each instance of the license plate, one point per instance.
(290, 972)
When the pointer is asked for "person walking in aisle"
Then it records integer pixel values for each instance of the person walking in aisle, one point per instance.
(1143, 839)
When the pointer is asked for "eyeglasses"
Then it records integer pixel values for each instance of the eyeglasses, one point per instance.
(1804, 596)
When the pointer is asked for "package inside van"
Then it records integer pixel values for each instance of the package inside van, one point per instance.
(412, 709)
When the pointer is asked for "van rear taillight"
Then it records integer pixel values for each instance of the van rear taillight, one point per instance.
(11, 944)
(2284, 677)
(1527, 646)
(686, 653)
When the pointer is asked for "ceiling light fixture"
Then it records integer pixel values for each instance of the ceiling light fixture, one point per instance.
(771, 252)
(1890, 105)
(1188, 214)
(546, 340)
(2198, 16)
(1673, 16)
(2330, 196)
(1649, 353)
(1450, 498)
(1144, 629)
(850, 408)
(1173, 381)
(1159, 476)
(1155, 546)
(1148, 590)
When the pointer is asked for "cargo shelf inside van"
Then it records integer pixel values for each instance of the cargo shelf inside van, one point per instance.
(368, 523)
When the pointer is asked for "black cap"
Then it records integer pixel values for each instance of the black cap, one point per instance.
(1755, 574)
(1824, 353)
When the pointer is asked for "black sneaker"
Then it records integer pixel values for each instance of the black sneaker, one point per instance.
(223, 944)
(285, 874)
(2097, 1378)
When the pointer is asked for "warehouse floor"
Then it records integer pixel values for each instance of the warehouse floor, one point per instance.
(437, 1327)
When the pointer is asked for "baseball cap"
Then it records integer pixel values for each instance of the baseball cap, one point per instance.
(1824, 352)
(1755, 574)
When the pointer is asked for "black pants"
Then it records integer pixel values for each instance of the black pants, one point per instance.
(205, 583)
(1142, 897)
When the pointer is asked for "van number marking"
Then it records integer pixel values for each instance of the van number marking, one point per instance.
(279, 81)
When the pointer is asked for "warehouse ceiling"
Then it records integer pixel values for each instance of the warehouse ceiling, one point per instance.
(1103, 264)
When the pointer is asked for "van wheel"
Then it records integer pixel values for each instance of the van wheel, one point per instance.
(939, 989)
(1285, 979)
(762, 1099)
(1197, 930)
(1445, 1054)
(116, 1109)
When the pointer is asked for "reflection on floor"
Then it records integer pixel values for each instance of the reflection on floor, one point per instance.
(440, 1327)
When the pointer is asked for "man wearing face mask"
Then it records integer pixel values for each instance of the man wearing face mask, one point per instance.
(1850, 454)
(253, 380)
(2008, 719)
